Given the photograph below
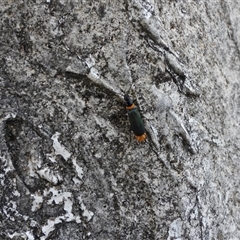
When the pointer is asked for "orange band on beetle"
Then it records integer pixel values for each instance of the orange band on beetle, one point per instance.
(141, 138)
(130, 107)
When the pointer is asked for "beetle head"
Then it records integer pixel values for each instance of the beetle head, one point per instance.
(128, 100)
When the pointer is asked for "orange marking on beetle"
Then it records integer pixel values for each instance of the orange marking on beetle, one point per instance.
(141, 138)
(130, 107)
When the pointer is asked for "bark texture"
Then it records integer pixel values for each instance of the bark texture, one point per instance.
(70, 167)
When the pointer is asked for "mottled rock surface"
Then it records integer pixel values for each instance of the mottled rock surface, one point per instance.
(70, 168)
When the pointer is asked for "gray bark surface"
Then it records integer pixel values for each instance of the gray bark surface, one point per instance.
(70, 166)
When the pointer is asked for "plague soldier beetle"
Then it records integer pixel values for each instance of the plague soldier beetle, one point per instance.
(136, 122)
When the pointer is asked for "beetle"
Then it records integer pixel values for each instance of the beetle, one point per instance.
(136, 122)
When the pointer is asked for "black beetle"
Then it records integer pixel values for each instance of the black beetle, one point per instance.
(135, 120)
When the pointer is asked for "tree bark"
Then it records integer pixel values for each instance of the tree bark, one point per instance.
(70, 166)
